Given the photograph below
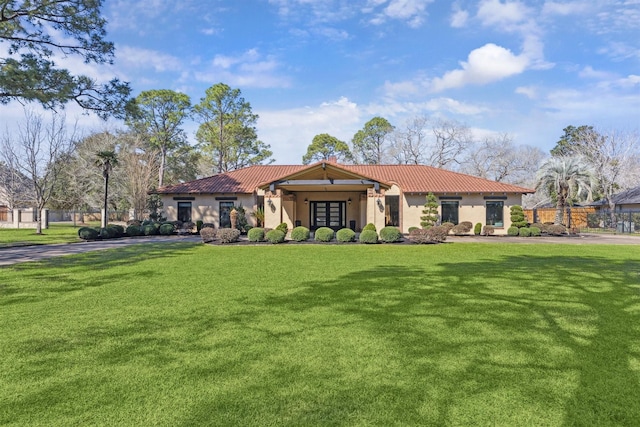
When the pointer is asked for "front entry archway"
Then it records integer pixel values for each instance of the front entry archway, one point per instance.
(328, 214)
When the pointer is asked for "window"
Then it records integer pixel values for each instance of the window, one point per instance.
(495, 214)
(184, 211)
(225, 214)
(449, 211)
(392, 210)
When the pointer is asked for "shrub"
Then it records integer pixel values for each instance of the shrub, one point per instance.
(413, 228)
(166, 229)
(134, 230)
(517, 217)
(300, 234)
(390, 235)
(368, 237)
(489, 230)
(430, 212)
(477, 229)
(448, 226)
(256, 234)
(369, 227)
(283, 227)
(208, 234)
(513, 231)
(544, 228)
(275, 236)
(228, 235)
(345, 235)
(88, 233)
(463, 228)
(525, 232)
(204, 225)
(107, 233)
(199, 225)
(188, 226)
(556, 230)
(150, 230)
(133, 222)
(323, 234)
(146, 222)
(436, 234)
(116, 229)
(535, 231)
(178, 224)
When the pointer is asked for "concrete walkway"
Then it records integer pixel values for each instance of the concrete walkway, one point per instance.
(14, 255)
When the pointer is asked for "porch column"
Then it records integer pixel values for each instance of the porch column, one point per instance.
(272, 210)
(375, 209)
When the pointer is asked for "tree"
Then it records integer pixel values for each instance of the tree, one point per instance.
(565, 177)
(34, 153)
(573, 139)
(106, 160)
(325, 146)
(450, 140)
(138, 170)
(227, 129)
(430, 212)
(37, 30)
(370, 144)
(159, 115)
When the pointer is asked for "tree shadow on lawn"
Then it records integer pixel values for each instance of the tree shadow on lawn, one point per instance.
(534, 340)
(57, 276)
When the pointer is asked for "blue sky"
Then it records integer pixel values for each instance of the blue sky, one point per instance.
(528, 68)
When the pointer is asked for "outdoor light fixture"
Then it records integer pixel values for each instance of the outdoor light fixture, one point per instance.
(306, 201)
(269, 202)
(349, 200)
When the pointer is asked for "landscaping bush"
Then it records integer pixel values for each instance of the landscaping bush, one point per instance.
(166, 229)
(150, 230)
(368, 237)
(177, 224)
(116, 229)
(323, 234)
(188, 226)
(489, 230)
(448, 226)
(435, 234)
(88, 233)
(283, 227)
(134, 230)
(544, 228)
(228, 235)
(133, 222)
(477, 229)
(556, 230)
(535, 231)
(513, 231)
(107, 233)
(275, 236)
(345, 235)
(205, 225)
(256, 234)
(413, 228)
(199, 225)
(525, 232)
(462, 229)
(390, 235)
(208, 234)
(369, 227)
(300, 234)
(517, 217)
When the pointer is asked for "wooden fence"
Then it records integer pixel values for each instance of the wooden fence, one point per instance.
(573, 217)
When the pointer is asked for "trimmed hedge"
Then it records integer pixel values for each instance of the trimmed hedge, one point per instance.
(448, 226)
(323, 234)
(275, 236)
(150, 229)
(368, 237)
(513, 231)
(432, 235)
(369, 227)
(557, 230)
(88, 233)
(208, 234)
(134, 230)
(283, 227)
(525, 232)
(535, 231)
(413, 228)
(477, 229)
(256, 234)
(488, 230)
(119, 230)
(390, 235)
(462, 229)
(345, 235)
(166, 229)
(227, 235)
(300, 234)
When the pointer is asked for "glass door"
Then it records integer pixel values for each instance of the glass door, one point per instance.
(328, 214)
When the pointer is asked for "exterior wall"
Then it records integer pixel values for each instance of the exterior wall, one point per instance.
(205, 207)
(471, 208)
(272, 210)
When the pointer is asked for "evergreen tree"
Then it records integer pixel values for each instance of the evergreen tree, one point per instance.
(430, 212)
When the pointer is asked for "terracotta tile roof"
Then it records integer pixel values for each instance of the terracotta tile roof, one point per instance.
(410, 179)
(239, 181)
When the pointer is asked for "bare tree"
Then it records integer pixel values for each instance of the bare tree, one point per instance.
(410, 143)
(450, 140)
(138, 170)
(34, 152)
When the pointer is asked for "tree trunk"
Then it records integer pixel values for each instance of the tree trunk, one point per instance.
(163, 161)
(105, 215)
(38, 221)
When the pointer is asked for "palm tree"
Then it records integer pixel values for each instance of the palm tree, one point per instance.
(107, 160)
(566, 177)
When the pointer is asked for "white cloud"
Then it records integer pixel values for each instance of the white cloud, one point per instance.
(589, 73)
(494, 12)
(565, 8)
(528, 91)
(486, 64)
(137, 58)
(459, 18)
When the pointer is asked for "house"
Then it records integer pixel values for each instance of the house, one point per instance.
(336, 195)
(628, 200)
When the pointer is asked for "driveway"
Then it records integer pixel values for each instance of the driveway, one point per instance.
(13, 255)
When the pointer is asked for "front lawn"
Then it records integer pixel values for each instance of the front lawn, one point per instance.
(56, 233)
(452, 334)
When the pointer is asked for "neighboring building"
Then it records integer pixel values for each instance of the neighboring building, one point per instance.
(624, 201)
(330, 194)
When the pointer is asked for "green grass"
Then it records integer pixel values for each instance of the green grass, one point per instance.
(184, 335)
(56, 233)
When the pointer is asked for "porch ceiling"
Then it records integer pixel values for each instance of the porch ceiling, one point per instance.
(324, 188)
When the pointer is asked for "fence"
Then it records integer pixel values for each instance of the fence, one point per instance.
(590, 219)
(4, 211)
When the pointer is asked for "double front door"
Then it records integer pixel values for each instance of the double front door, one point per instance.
(328, 214)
